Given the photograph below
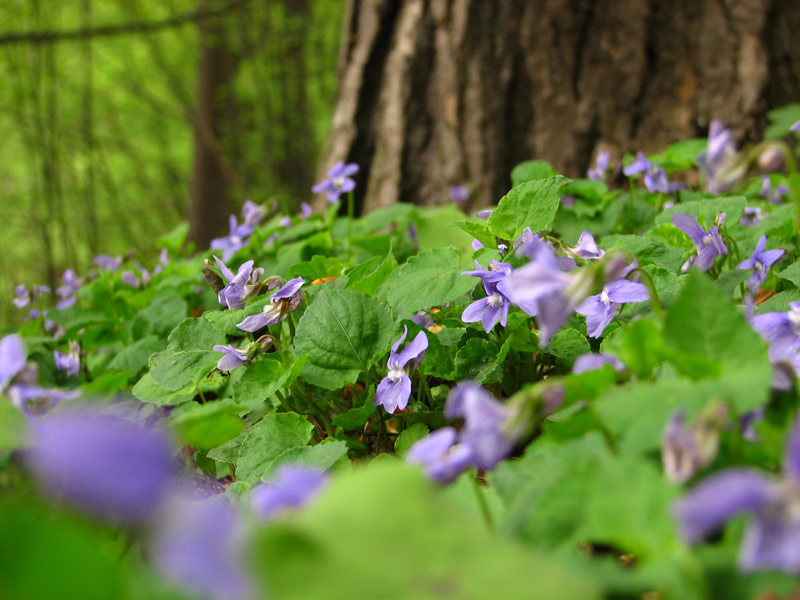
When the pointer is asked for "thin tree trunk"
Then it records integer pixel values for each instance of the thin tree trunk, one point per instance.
(441, 92)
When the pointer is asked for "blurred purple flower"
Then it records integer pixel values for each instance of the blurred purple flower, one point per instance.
(23, 297)
(587, 248)
(438, 454)
(252, 214)
(281, 303)
(285, 221)
(680, 455)
(394, 390)
(69, 362)
(772, 539)
(305, 210)
(459, 193)
(494, 307)
(655, 178)
(720, 162)
(751, 216)
(294, 486)
(598, 173)
(231, 244)
(338, 181)
(795, 127)
(592, 362)
(200, 544)
(12, 358)
(130, 279)
(781, 330)
(709, 245)
(774, 196)
(760, 261)
(423, 319)
(601, 308)
(487, 431)
(109, 263)
(109, 466)
(232, 357)
(484, 214)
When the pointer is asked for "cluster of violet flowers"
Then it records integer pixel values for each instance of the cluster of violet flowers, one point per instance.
(238, 235)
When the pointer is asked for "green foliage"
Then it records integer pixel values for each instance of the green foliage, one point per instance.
(532, 204)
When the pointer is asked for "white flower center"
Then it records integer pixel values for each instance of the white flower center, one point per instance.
(708, 239)
(759, 266)
(338, 182)
(604, 297)
(396, 374)
(495, 300)
(235, 239)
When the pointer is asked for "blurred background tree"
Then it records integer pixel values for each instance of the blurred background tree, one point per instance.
(118, 116)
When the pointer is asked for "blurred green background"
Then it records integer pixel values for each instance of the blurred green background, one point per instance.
(97, 120)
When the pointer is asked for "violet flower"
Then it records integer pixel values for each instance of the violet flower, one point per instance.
(587, 248)
(163, 261)
(774, 196)
(484, 214)
(423, 319)
(685, 451)
(105, 465)
(598, 173)
(655, 178)
(130, 279)
(761, 262)
(487, 431)
(781, 330)
(200, 544)
(394, 390)
(601, 308)
(69, 362)
(109, 263)
(281, 303)
(751, 216)
(720, 162)
(252, 214)
(772, 539)
(70, 283)
(231, 244)
(294, 486)
(592, 362)
(441, 458)
(709, 245)
(305, 210)
(494, 307)
(338, 181)
(12, 358)
(542, 289)
(459, 193)
(23, 298)
(240, 287)
(795, 127)
(232, 357)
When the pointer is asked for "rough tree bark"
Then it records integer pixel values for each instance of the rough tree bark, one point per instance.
(441, 92)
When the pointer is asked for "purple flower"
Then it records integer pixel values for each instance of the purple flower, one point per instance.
(761, 262)
(23, 298)
(338, 181)
(459, 193)
(130, 279)
(587, 248)
(494, 307)
(487, 431)
(680, 454)
(305, 210)
(35, 400)
(655, 178)
(477, 245)
(163, 261)
(200, 544)
(69, 362)
(601, 308)
(484, 214)
(774, 196)
(721, 164)
(782, 330)
(772, 539)
(751, 216)
(252, 214)
(394, 390)
(709, 245)
(109, 263)
(795, 127)
(412, 235)
(282, 302)
(233, 243)
(285, 221)
(12, 358)
(232, 357)
(591, 362)
(240, 287)
(108, 466)
(293, 487)
(438, 454)
(542, 289)
(423, 319)
(601, 166)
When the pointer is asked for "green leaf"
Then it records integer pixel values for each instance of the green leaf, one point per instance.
(428, 279)
(706, 210)
(316, 268)
(779, 302)
(164, 313)
(263, 378)
(436, 539)
(531, 170)
(791, 273)
(133, 358)
(477, 229)
(638, 345)
(410, 436)
(532, 204)
(146, 390)
(323, 456)
(477, 359)
(225, 320)
(368, 277)
(704, 322)
(189, 354)
(13, 425)
(343, 332)
(207, 425)
(568, 344)
(680, 155)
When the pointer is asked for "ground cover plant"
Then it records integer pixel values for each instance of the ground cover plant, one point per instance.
(585, 391)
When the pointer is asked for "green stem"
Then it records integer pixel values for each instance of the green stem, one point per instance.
(487, 516)
(655, 301)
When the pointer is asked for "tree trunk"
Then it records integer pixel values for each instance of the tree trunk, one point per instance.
(441, 92)
(212, 174)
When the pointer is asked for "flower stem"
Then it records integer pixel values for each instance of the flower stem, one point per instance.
(655, 301)
(487, 515)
